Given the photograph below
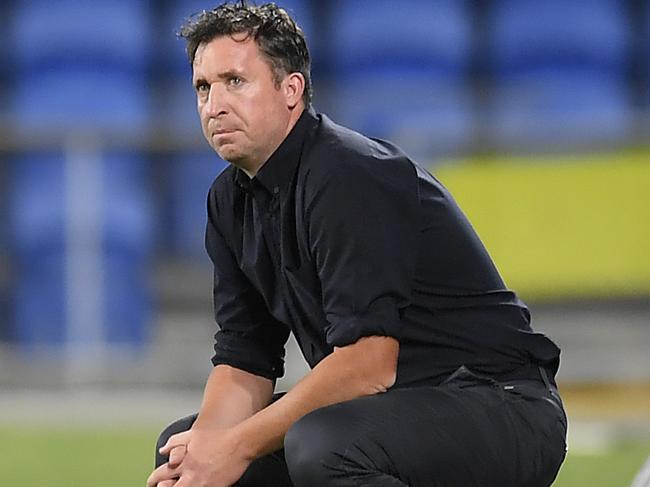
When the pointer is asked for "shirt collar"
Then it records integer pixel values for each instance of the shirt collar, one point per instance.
(280, 167)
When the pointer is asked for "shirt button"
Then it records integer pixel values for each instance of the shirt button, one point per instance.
(276, 190)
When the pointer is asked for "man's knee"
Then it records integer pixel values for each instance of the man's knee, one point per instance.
(315, 449)
(179, 426)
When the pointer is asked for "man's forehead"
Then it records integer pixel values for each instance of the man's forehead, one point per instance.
(242, 42)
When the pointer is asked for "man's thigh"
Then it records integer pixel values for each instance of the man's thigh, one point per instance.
(460, 434)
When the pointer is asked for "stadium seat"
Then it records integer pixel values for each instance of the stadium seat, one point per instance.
(177, 106)
(37, 239)
(190, 178)
(565, 111)
(426, 117)
(102, 32)
(80, 247)
(559, 69)
(646, 64)
(5, 262)
(402, 73)
(80, 65)
(173, 57)
(6, 65)
(82, 98)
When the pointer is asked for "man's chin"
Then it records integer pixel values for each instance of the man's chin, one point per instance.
(227, 153)
(230, 155)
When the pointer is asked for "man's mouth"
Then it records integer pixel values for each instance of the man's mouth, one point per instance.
(223, 131)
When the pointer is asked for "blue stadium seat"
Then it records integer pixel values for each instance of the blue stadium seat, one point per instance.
(190, 178)
(560, 72)
(178, 108)
(173, 56)
(178, 102)
(80, 64)
(432, 35)
(6, 64)
(71, 97)
(646, 63)
(42, 302)
(564, 111)
(37, 239)
(5, 262)
(112, 230)
(102, 32)
(425, 116)
(39, 303)
(402, 72)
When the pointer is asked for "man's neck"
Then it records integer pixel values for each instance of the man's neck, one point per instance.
(252, 169)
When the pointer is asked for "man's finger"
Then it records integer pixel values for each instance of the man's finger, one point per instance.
(167, 483)
(176, 455)
(174, 441)
(184, 482)
(162, 473)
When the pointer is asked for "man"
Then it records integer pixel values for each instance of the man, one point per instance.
(425, 371)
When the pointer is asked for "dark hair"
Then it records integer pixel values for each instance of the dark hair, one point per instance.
(276, 34)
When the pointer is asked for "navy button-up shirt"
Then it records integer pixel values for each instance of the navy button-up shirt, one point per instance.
(338, 237)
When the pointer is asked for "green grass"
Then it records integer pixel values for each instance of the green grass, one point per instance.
(617, 467)
(81, 457)
(78, 457)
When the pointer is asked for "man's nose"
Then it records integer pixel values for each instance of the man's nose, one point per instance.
(217, 103)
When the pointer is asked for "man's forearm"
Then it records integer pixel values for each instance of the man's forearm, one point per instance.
(231, 396)
(364, 368)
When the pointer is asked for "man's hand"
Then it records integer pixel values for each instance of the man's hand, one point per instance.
(214, 458)
(231, 396)
(163, 476)
(176, 447)
(211, 458)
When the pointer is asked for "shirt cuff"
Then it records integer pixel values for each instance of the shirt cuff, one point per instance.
(381, 318)
(247, 355)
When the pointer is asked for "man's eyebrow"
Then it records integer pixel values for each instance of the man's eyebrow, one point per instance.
(222, 76)
(229, 74)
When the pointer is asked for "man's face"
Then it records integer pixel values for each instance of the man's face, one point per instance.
(244, 115)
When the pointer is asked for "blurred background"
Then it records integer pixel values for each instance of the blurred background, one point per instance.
(535, 114)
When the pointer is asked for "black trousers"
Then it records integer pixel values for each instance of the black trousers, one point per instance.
(469, 431)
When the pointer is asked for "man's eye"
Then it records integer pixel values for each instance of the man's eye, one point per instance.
(235, 81)
(202, 88)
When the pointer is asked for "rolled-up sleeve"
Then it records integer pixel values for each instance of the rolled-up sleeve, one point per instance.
(362, 223)
(249, 338)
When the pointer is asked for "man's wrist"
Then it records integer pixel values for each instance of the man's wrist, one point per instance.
(242, 443)
(234, 437)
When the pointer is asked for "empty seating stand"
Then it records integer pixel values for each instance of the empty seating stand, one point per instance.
(5, 67)
(559, 72)
(192, 173)
(79, 220)
(81, 238)
(402, 72)
(81, 232)
(645, 62)
(88, 58)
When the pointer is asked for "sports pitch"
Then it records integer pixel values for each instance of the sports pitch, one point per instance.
(103, 457)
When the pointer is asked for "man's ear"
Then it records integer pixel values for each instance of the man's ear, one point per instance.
(294, 87)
